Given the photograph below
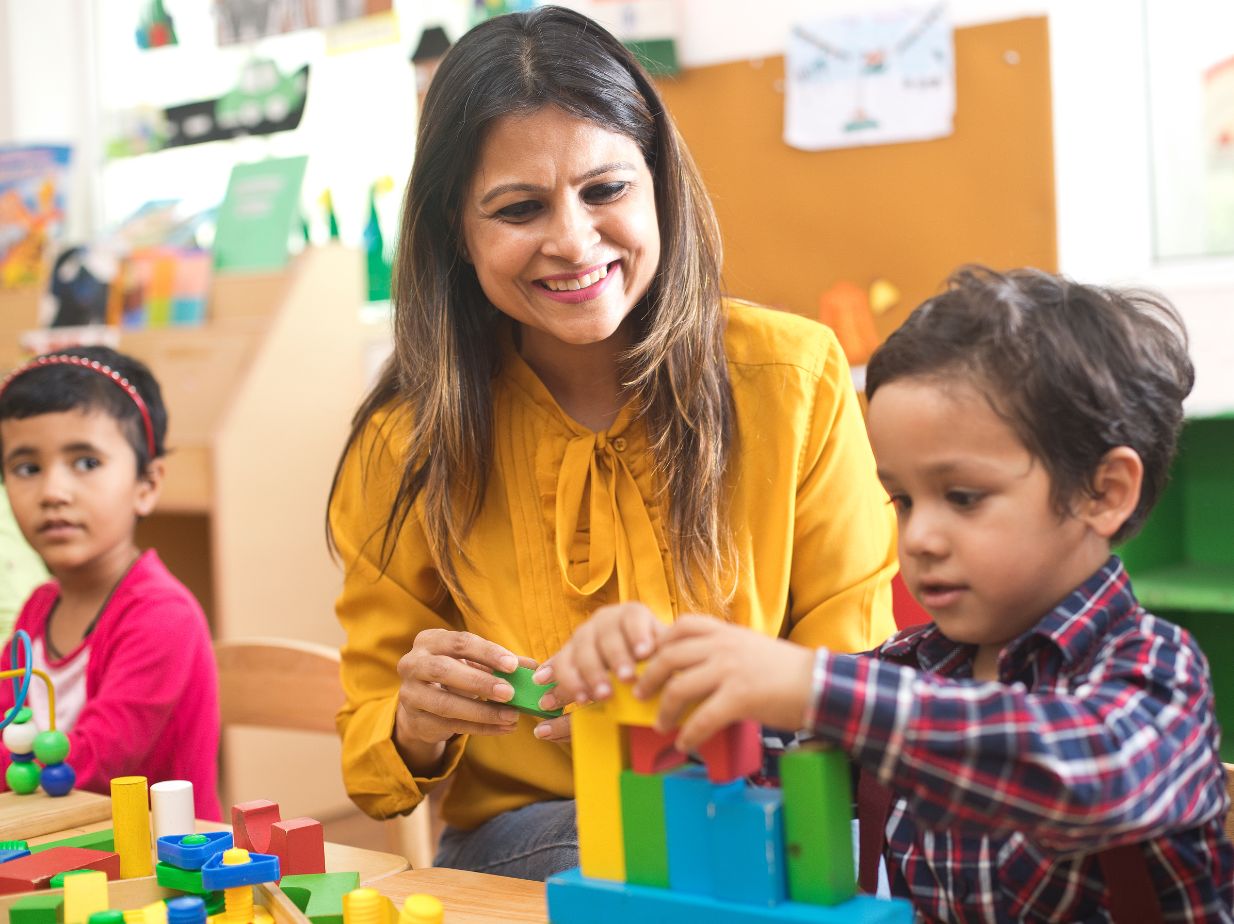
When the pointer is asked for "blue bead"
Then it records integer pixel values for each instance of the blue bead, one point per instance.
(190, 909)
(57, 779)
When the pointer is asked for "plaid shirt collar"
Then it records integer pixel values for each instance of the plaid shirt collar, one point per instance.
(1073, 628)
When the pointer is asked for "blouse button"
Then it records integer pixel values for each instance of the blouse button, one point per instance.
(620, 444)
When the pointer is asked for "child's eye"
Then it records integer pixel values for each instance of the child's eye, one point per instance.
(519, 211)
(25, 469)
(964, 500)
(902, 502)
(606, 192)
(86, 463)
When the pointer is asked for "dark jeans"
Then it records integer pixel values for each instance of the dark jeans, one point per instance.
(532, 842)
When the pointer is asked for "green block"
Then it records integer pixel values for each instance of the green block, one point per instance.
(527, 692)
(14, 845)
(95, 840)
(319, 896)
(644, 829)
(818, 811)
(36, 909)
(57, 881)
(182, 880)
(215, 902)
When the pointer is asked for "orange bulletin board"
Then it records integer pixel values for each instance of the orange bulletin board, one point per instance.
(795, 223)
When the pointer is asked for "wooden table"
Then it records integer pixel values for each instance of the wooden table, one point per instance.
(340, 858)
(470, 898)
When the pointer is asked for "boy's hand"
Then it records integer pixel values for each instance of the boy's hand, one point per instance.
(731, 673)
(614, 639)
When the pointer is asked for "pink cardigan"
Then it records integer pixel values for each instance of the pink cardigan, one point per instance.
(151, 687)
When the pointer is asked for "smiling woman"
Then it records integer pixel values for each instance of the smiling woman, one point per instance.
(573, 416)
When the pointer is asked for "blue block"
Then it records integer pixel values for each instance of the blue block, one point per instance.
(575, 899)
(6, 855)
(192, 856)
(261, 867)
(747, 848)
(688, 797)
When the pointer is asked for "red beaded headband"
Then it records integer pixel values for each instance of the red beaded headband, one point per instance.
(94, 365)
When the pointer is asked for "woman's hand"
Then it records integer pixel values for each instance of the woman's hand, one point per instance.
(613, 640)
(731, 673)
(445, 680)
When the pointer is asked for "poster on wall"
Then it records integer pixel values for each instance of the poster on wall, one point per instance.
(249, 20)
(1219, 156)
(869, 78)
(32, 190)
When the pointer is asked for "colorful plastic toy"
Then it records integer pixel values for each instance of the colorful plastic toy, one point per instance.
(25, 743)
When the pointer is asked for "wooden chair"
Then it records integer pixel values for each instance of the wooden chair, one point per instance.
(289, 684)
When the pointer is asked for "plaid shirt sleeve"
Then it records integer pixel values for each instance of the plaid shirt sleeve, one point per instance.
(1109, 757)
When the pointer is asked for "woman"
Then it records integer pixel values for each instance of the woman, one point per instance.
(572, 417)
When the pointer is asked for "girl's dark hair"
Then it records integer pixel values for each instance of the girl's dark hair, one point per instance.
(445, 329)
(56, 388)
(1076, 370)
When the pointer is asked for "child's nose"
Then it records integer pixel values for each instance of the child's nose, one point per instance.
(56, 486)
(922, 535)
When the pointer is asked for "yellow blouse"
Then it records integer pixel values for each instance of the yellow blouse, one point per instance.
(570, 522)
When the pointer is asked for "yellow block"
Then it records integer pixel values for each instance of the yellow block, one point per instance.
(599, 757)
(154, 913)
(84, 894)
(130, 822)
(624, 709)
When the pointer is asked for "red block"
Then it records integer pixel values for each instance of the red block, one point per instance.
(251, 823)
(652, 751)
(735, 752)
(300, 845)
(35, 871)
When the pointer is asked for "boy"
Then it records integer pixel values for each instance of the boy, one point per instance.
(1049, 746)
(124, 642)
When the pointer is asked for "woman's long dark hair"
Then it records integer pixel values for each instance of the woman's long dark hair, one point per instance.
(446, 343)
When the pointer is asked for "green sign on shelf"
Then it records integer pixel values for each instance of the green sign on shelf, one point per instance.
(258, 213)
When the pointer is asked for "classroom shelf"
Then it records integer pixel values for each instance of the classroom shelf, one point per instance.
(1182, 562)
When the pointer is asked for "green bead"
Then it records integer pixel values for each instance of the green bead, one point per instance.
(22, 777)
(23, 716)
(107, 917)
(51, 747)
(57, 881)
(191, 840)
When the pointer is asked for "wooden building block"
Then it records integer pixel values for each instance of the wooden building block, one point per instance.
(652, 751)
(320, 896)
(84, 894)
(251, 823)
(527, 692)
(688, 806)
(733, 753)
(599, 758)
(94, 840)
(27, 816)
(35, 871)
(747, 848)
(130, 823)
(575, 899)
(37, 909)
(642, 822)
(624, 709)
(818, 811)
(300, 845)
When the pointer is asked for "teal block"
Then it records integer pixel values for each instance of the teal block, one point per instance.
(575, 899)
(818, 811)
(688, 797)
(747, 848)
(527, 692)
(644, 829)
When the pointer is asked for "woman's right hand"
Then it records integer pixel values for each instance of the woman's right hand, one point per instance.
(445, 689)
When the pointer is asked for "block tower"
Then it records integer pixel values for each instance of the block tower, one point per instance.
(659, 841)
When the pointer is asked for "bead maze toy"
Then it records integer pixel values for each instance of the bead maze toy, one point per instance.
(662, 842)
(25, 743)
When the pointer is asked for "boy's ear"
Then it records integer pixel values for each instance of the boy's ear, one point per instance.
(149, 486)
(1115, 491)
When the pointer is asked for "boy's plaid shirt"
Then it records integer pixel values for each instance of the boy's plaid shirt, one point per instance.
(1101, 732)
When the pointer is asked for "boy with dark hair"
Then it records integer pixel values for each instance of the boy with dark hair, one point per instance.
(1046, 748)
